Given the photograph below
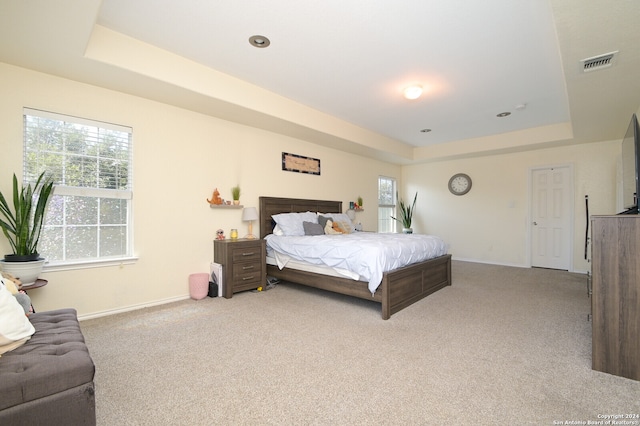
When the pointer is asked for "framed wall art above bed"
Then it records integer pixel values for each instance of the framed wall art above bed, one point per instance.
(300, 164)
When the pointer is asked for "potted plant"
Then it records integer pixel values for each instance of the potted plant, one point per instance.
(235, 193)
(22, 226)
(406, 215)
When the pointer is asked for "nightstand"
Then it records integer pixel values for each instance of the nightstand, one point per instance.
(243, 264)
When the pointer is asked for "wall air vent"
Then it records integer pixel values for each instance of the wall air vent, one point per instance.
(598, 62)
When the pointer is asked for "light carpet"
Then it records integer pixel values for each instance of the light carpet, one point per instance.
(502, 345)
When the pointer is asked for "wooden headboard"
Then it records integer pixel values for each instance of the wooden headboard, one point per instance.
(273, 205)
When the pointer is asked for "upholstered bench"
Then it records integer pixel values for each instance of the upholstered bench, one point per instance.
(49, 379)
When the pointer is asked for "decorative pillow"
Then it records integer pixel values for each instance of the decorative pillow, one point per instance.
(15, 327)
(311, 228)
(322, 220)
(291, 223)
(25, 301)
(342, 219)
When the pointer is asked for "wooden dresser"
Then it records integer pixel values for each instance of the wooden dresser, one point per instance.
(615, 303)
(243, 264)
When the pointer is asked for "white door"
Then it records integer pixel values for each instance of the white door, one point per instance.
(552, 217)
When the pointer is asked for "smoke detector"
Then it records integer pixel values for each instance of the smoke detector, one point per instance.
(598, 62)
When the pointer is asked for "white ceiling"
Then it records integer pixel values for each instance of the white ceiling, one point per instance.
(350, 59)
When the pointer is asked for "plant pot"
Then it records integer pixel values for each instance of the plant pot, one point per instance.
(21, 257)
(407, 230)
(236, 202)
(26, 271)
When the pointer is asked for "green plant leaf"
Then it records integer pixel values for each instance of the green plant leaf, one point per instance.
(406, 216)
(23, 225)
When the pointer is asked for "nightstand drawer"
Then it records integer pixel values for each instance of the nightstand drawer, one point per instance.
(246, 272)
(247, 254)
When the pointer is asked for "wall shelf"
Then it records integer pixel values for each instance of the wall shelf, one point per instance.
(225, 206)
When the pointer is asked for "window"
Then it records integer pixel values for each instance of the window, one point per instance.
(386, 204)
(89, 216)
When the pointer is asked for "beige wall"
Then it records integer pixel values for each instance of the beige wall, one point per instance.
(491, 223)
(179, 158)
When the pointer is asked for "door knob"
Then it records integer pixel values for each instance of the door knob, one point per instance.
(535, 223)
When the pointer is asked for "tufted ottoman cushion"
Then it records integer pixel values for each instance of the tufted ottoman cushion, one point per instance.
(52, 371)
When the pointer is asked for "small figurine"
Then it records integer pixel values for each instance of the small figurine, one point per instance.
(220, 234)
(215, 198)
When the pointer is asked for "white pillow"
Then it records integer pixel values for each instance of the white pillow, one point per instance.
(291, 224)
(15, 327)
(277, 230)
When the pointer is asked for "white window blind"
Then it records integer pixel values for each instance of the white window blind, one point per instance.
(89, 217)
(386, 204)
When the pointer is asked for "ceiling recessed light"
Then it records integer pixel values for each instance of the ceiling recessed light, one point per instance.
(259, 41)
(413, 92)
(503, 114)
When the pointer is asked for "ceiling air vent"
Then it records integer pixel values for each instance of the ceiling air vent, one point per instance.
(598, 62)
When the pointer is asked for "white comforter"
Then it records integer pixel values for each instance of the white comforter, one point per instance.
(366, 254)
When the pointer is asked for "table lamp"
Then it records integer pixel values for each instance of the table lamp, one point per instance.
(250, 214)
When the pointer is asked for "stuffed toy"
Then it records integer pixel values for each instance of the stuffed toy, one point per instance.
(341, 226)
(13, 285)
(220, 234)
(330, 229)
(215, 198)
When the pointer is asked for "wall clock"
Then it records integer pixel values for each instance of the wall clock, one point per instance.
(459, 184)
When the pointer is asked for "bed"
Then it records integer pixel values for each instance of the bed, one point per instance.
(398, 289)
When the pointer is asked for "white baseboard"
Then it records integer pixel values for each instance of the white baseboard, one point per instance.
(507, 264)
(131, 308)
(489, 263)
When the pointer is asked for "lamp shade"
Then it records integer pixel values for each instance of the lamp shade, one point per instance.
(249, 213)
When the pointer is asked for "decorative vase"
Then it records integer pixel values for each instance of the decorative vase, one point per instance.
(407, 230)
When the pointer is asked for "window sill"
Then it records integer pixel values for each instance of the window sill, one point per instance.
(87, 264)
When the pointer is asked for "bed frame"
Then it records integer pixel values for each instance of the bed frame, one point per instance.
(399, 288)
